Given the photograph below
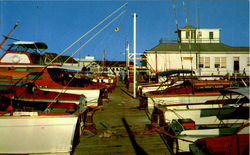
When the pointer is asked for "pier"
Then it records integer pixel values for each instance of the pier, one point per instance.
(120, 129)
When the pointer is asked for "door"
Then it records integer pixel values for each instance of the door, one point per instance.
(236, 65)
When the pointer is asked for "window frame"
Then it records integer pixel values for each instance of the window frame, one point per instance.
(204, 62)
(211, 35)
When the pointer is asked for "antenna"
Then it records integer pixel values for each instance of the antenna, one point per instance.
(177, 30)
(189, 36)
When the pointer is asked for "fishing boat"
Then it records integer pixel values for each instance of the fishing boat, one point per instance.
(27, 94)
(168, 79)
(185, 138)
(33, 121)
(106, 79)
(238, 143)
(36, 132)
(31, 126)
(188, 92)
(188, 125)
(25, 56)
(204, 113)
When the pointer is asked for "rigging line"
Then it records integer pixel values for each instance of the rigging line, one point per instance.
(38, 75)
(189, 35)
(63, 91)
(179, 39)
(88, 32)
(95, 35)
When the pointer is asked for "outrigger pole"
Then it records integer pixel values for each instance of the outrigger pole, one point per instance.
(5, 38)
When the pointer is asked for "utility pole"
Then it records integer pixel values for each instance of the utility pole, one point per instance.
(134, 55)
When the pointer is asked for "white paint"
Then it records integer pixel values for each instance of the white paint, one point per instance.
(202, 36)
(153, 101)
(169, 61)
(15, 58)
(195, 115)
(37, 134)
(92, 95)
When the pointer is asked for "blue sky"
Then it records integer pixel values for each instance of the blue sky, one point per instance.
(60, 23)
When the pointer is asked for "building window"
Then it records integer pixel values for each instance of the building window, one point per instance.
(223, 62)
(201, 63)
(204, 62)
(187, 34)
(207, 62)
(217, 62)
(192, 34)
(211, 35)
(220, 62)
(199, 34)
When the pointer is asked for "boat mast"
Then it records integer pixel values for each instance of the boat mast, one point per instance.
(189, 35)
(178, 34)
(198, 41)
(5, 38)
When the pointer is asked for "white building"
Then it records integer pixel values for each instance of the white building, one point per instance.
(87, 61)
(195, 35)
(199, 50)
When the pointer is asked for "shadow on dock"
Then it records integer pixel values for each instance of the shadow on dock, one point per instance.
(138, 149)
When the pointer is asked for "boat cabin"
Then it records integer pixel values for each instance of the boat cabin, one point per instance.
(24, 53)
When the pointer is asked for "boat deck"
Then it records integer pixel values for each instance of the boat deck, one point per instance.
(126, 129)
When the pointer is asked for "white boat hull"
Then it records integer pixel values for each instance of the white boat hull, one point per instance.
(153, 101)
(143, 89)
(196, 116)
(193, 135)
(92, 95)
(37, 134)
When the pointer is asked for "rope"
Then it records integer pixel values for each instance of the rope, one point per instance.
(95, 35)
(158, 129)
(88, 32)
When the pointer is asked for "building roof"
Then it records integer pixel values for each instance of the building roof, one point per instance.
(202, 47)
(193, 28)
(189, 27)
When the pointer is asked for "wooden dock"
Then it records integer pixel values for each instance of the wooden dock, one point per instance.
(120, 128)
